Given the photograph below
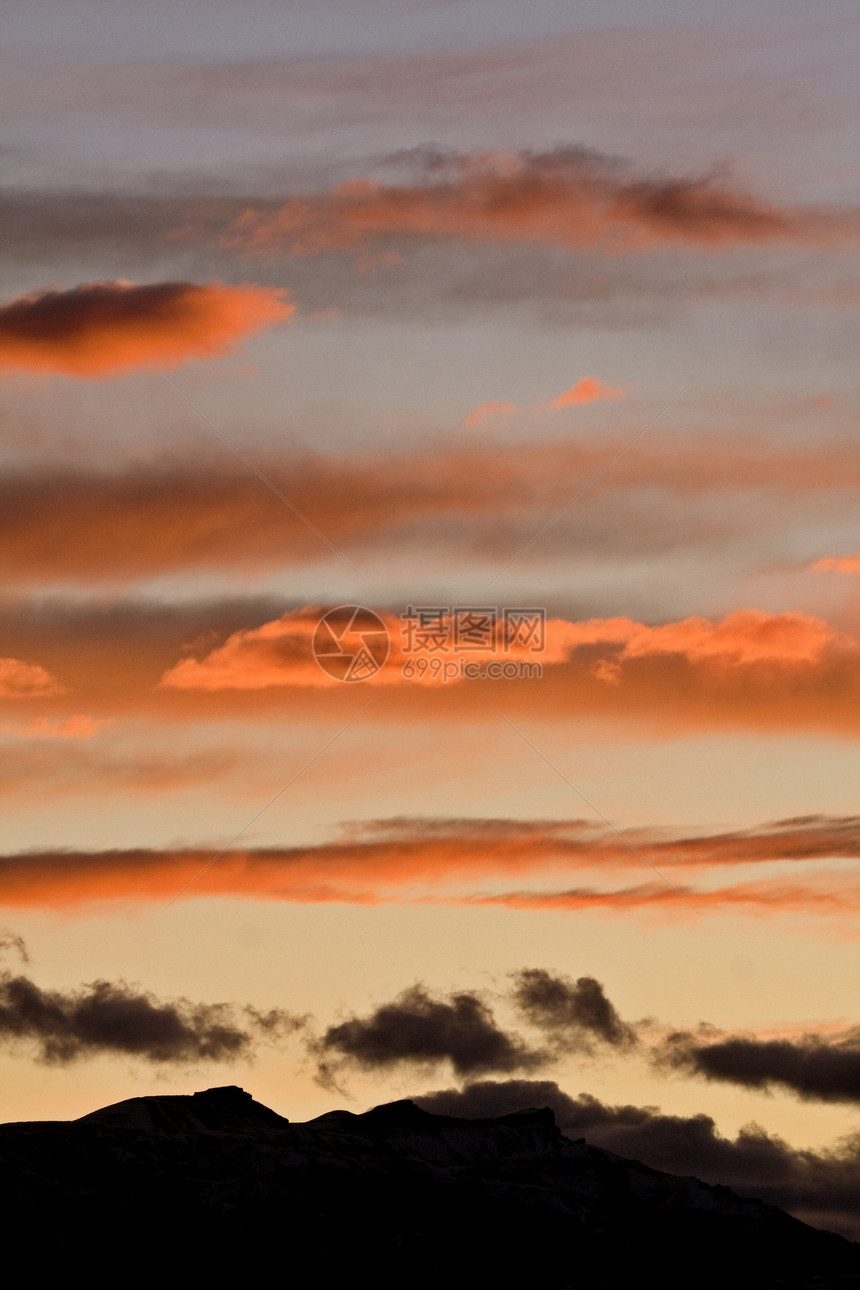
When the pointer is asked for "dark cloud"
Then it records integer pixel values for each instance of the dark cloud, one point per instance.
(11, 941)
(103, 327)
(419, 1028)
(817, 1067)
(122, 1020)
(820, 1187)
(574, 1012)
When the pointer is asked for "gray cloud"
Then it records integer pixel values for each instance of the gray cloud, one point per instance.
(817, 1067)
(575, 1013)
(115, 1018)
(41, 227)
(85, 233)
(418, 1028)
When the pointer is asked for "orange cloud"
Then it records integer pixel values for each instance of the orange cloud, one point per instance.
(837, 564)
(568, 197)
(587, 390)
(286, 651)
(280, 653)
(20, 680)
(441, 860)
(70, 524)
(748, 671)
(103, 327)
(761, 897)
(745, 637)
(79, 726)
(485, 410)
(42, 769)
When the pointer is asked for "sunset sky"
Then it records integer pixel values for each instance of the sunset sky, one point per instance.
(445, 305)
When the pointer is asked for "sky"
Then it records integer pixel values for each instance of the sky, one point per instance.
(429, 634)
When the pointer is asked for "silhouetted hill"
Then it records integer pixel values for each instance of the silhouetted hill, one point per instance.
(215, 1185)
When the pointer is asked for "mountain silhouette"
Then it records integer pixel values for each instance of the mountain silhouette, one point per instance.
(215, 1185)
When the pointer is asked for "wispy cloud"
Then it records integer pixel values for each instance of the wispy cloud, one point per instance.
(814, 897)
(588, 389)
(572, 197)
(836, 564)
(56, 760)
(70, 524)
(78, 726)
(477, 862)
(484, 411)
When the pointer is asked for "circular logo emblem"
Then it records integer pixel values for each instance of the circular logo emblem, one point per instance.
(351, 643)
